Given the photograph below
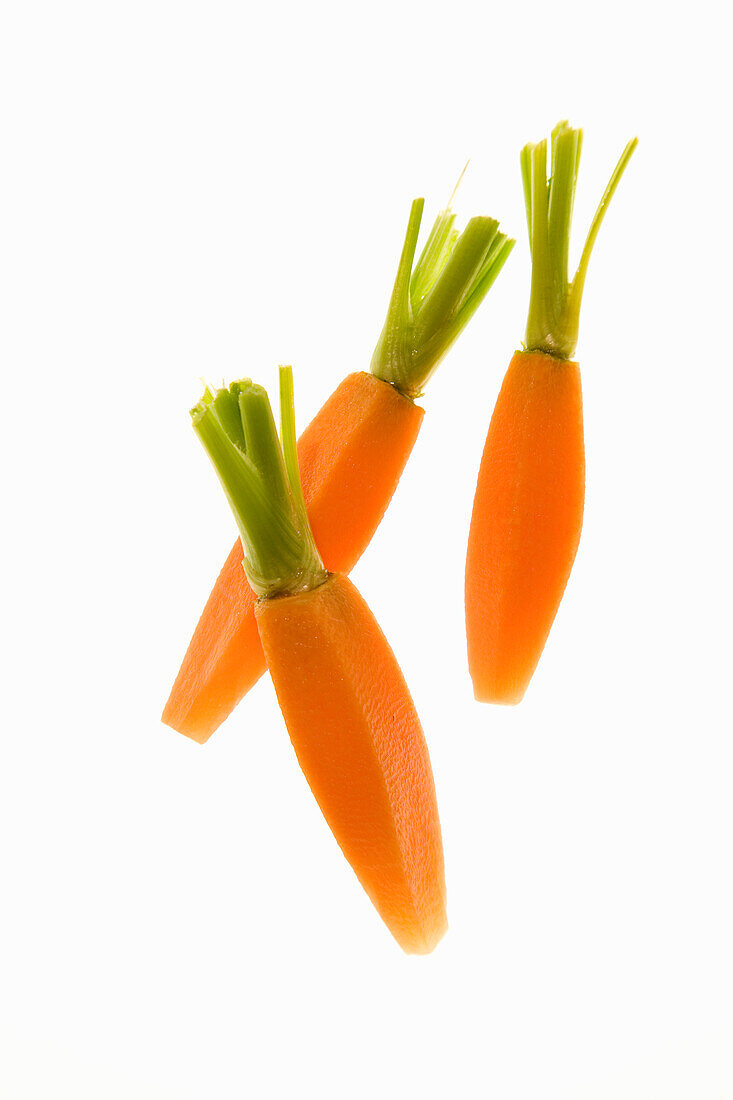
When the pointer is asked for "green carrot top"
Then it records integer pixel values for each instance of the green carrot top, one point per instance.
(260, 477)
(433, 301)
(554, 305)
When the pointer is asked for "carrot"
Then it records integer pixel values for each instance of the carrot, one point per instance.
(528, 508)
(527, 516)
(359, 743)
(346, 706)
(351, 455)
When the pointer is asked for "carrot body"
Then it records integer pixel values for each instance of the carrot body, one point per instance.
(526, 523)
(351, 457)
(360, 745)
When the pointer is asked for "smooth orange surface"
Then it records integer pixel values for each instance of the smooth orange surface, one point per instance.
(359, 742)
(526, 523)
(351, 458)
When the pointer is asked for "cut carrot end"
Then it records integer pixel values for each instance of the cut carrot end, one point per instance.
(503, 698)
(180, 725)
(426, 942)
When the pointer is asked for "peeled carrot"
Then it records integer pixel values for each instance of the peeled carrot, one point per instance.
(351, 455)
(344, 700)
(359, 743)
(528, 507)
(351, 458)
(520, 555)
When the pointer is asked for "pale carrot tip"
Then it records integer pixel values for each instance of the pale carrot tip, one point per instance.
(174, 723)
(426, 943)
(498, 698)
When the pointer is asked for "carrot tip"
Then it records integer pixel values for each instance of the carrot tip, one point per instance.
(502, 699)
(426, 943)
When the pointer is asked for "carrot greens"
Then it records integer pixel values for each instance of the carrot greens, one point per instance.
(433, 301)
(262, 484)
(554, 305)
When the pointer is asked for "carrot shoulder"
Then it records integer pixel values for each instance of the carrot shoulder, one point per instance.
(360, 745)
(351, 455)
(528, 507)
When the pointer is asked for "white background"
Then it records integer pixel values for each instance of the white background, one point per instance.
(197, 189)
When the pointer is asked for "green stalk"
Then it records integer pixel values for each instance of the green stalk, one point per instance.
(433, 301)
(555, 298)
(261, 481)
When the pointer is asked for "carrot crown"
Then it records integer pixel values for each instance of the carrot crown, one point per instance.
(554, 304)
(260, 478)
(433, 301)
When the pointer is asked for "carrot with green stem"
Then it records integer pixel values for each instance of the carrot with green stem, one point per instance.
(351, 455)
(528, 507)
(347, 708)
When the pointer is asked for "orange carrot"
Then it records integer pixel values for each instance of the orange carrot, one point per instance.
(527, 516)
(351, 455)
(528, 507)
(344, 700)
(359, 743)
(351, 458)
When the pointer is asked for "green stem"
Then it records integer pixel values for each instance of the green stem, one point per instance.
(261, 481)
(459, 273)
(437, 247)
(555, 298)
(433, 302)
(290, 455)
(579, 280)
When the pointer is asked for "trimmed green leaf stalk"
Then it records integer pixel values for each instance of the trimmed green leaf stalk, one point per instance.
(554, 305)
(433, 301)
(260, 478)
